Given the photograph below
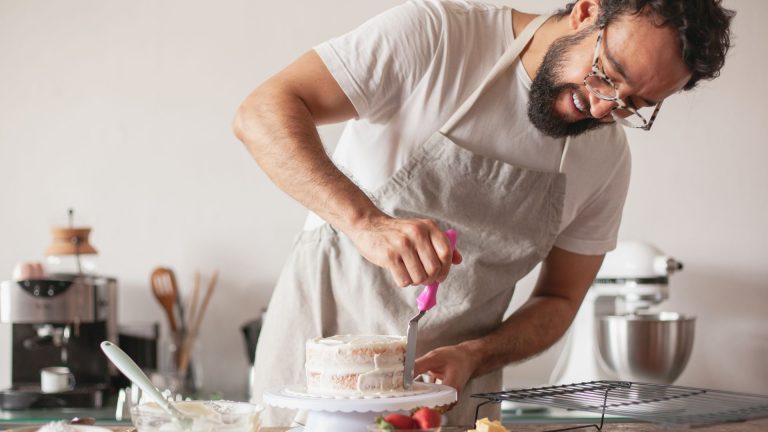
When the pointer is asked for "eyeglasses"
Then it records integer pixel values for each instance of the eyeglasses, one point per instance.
(598, 83)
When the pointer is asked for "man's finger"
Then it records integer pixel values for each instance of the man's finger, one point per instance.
(400, 274)
(424, 363)
(443, 249)
(450, 378)
(418, 368)
(413, 264)
(430, 261)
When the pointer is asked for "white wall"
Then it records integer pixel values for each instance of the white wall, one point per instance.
(122, 110)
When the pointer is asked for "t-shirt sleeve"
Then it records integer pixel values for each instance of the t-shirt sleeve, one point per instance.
(595, 229)
(379, 63)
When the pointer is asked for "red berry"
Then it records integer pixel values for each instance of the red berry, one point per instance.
(427, 418)
(384, 425)
(400, 421)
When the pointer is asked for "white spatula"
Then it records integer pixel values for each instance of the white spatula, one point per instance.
(130, 369)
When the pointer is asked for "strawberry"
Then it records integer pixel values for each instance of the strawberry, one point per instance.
(400, 421)
(384, 425)
(426, 418)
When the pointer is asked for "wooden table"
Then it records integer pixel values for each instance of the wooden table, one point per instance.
(751, 426)
(35, 428)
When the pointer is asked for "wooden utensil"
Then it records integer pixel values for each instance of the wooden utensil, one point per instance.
(164, 287)
(192, 305)
(195, 322)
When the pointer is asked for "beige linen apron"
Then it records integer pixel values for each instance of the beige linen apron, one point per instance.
(507, 219)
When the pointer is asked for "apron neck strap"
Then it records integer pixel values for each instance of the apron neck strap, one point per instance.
(506, 60)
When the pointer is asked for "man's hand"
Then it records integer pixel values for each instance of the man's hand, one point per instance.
(415, 251)
(453, 365)
(563, 281)
(277, 123)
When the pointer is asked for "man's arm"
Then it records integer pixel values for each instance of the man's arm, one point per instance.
(277, 123)
(563, 282)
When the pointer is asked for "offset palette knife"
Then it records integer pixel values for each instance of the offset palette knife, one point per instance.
(425, 301)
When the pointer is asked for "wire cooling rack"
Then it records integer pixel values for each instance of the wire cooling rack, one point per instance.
(656, 403)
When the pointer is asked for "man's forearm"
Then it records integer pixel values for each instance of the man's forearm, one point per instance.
(280, 133)
(277, 123)
(533, 328)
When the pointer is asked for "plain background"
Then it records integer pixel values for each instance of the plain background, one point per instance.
(122, 110)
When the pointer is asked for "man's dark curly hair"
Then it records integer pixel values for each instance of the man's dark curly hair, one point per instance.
(703, 29)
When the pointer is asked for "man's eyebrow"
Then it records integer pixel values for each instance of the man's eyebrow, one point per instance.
(620, 69)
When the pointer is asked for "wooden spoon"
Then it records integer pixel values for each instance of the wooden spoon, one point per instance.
(164, 287)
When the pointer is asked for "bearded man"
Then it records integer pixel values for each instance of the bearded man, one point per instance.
(503, 125)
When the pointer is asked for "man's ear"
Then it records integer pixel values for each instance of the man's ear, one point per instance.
(584, 14)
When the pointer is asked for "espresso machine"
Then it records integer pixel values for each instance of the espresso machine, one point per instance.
(57, 319)
(617, 333)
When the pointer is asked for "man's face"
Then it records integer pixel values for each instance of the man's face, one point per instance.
(642, 60)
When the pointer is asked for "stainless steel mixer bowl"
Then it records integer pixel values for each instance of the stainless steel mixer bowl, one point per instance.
(646, 347)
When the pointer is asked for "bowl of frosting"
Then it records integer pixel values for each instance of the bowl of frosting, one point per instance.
(225, 416)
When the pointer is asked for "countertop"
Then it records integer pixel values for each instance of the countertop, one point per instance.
(538, 421)
(17, 418)
(751, 426)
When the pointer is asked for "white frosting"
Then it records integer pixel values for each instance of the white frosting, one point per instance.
(59, 426)
(381, 377)
(348, 364)
(206, 416)
(353, 341)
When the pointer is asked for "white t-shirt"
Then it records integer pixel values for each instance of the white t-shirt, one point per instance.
(407, 70)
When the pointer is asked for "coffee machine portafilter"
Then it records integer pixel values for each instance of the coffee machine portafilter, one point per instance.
(632, 279)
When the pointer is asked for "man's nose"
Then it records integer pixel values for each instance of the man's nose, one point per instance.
(600, 108)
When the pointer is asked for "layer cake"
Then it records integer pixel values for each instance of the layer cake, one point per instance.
(355, 364)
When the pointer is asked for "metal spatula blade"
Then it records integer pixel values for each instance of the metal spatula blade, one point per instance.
(410, 349)
(426, 300)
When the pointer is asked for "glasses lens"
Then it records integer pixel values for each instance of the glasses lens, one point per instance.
(600, 87)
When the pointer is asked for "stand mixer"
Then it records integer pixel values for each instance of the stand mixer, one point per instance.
(614, 335)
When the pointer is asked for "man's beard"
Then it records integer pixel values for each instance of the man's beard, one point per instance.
(546, 88)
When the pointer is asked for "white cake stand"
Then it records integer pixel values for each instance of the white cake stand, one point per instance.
(338, 414)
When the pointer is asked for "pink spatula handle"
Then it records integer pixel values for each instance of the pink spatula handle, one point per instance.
(428, 298)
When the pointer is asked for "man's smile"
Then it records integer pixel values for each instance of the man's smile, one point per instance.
(580, 105)
(572, 106)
